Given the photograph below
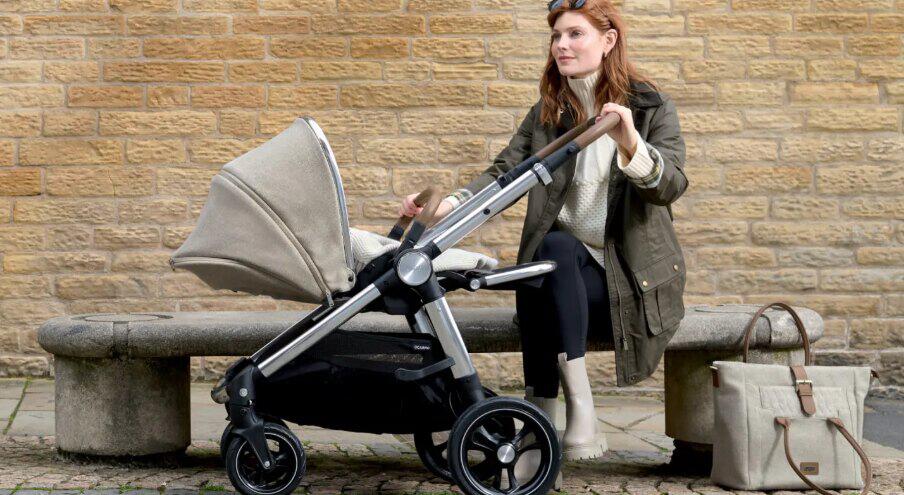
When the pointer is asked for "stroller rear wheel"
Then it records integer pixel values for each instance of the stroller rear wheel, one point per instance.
(483, 461)
(433, 447)
(250, 478)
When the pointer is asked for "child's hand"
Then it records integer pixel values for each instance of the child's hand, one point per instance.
(408, 208)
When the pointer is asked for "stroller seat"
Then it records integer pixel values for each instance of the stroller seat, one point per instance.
(367, 246)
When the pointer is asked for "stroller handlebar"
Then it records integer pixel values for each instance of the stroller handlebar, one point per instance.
(564, 139)
(603, 125)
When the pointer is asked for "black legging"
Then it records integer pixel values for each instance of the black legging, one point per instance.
(556, 317)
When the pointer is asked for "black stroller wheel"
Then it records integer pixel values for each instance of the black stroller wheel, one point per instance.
(250, 478)
(224, 441)
(227, 433)
(483, 462)
(432, 447)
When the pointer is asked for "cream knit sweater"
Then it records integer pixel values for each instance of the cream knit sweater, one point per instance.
(583, 214)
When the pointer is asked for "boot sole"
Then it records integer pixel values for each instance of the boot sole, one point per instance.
(586, 451)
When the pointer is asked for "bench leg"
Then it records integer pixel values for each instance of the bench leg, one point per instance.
(122, 407)
(689, 403)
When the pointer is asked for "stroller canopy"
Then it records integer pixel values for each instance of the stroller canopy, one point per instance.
(275, 222)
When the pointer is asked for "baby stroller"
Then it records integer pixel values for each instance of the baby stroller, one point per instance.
(275, 223)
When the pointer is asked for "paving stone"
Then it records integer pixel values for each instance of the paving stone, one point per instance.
(11, 389)
(655, 422)
(384, 450)
(624, 441)
(625, 416)
(41, 386)
(7, 406)
(33, 423)
(37, 401)
(874, 449)
(656, 438)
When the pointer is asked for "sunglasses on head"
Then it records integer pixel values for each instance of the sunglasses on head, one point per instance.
(575, 4)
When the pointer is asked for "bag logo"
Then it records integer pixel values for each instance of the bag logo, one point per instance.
(420, 347)
(809, 468)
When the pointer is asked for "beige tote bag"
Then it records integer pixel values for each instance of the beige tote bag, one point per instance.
(789, 427)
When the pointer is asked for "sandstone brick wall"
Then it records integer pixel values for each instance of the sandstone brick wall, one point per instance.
(114, 115)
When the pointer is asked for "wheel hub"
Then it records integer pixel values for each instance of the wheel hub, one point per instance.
(505, 453)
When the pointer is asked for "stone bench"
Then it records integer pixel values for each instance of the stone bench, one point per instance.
(122, 381)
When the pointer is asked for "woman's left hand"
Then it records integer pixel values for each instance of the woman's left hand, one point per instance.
(623, 134)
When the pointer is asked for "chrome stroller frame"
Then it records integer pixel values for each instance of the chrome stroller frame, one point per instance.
(412, 271)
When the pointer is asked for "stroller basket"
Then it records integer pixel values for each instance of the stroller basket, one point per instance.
(358, 371)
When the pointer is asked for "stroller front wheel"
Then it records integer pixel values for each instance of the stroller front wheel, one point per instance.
(227, 435)
(250, 478)
(482, 458)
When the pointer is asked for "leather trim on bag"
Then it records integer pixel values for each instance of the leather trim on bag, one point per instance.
(786, 433)
(804, 388)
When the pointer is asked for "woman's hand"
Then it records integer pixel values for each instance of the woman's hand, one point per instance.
(409, 209)
(624, 134)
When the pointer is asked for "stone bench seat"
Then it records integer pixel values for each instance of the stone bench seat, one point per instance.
(122, 380)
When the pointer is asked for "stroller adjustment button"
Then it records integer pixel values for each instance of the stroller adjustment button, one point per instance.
(414, 268)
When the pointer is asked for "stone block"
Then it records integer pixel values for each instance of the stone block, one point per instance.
(98, 412)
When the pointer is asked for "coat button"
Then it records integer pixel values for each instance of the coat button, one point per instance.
(675, 267)
(644, 283)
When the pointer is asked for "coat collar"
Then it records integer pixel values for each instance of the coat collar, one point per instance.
(642, 96)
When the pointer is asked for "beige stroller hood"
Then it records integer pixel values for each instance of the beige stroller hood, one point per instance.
(275, 222)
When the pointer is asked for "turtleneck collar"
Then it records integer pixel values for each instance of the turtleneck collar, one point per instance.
(584, 87)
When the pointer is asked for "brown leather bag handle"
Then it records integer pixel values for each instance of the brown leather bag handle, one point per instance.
(797, 322)
(867, 480)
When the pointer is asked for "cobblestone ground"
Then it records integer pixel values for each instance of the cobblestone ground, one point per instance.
(342, 462)
(32, 464)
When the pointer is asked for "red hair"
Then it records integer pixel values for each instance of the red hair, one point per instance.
(617, 71)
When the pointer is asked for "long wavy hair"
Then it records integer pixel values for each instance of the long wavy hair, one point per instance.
(617, 71)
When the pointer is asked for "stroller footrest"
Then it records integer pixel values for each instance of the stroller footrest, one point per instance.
(407, 375)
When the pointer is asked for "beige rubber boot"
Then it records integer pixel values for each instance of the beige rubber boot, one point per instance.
(528, 463)
(581, 440)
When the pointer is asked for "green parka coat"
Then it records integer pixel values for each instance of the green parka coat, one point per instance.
(645, 270)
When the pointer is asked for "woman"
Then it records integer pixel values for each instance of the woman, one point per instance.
(605, 219)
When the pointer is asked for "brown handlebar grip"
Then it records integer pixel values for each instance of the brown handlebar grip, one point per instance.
(564, 139)
(605, 124)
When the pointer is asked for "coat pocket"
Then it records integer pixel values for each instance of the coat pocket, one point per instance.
(661, 286)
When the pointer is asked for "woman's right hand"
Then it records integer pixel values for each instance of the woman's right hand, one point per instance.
(409, 209)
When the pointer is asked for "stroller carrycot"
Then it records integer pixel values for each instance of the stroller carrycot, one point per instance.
(273, 221)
